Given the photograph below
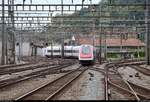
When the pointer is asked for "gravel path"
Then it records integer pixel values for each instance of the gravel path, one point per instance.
(86, 88)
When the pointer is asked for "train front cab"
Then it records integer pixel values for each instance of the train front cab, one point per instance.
(87, 55)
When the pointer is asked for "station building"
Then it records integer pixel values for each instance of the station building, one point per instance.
(113, 45)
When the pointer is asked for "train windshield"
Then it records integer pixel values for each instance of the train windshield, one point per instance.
(85, 49)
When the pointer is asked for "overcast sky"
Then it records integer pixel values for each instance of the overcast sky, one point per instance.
(56, 1)
(48, 2)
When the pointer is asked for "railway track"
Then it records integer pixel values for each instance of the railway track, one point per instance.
(51, 89)
(121, 87)
(132, 91)
(137, 92)
(97, 69)
(37, 59)
(18, 79)
(13, 65)
(142, 92)
(141, 69)
(127, 63)
(16, 69)
(102, 70)
(9, 69)
(114, 79)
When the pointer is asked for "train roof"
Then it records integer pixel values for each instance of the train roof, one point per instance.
(59, 46)
(86, 45)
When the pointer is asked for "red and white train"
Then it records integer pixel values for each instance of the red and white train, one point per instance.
(84, 53)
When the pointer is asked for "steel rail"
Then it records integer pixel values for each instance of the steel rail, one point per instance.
(8, 82)
(104, 71)
(135, 94)
(106, 88)
(65, 85)
(141, 95)
(101, 70)
(132, 91)
(124, 89)
(119, 64)
(49, 84)
(20, 65)
(23, 68)
(13, 65)
(98, 69)
(130, 63)
(142, 70)
(111, 65)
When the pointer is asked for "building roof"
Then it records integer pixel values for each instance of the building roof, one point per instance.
(110, 42)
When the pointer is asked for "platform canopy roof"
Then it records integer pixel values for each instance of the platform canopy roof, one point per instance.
(110, 41)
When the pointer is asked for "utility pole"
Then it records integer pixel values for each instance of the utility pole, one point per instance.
(138, 47)
(8, 29)
(7, 36)
(52, 49)
(121, 38)
(10, 36)
(82, 4)
(62, 39)
(147, 17)
(105, 52)
(100, 38)
(93, 33)
(93, 9)
(13, 35)
(20, 45)
(3, 35)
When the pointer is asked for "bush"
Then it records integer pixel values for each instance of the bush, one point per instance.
(142, 54)
(136, 54)
(112, 55)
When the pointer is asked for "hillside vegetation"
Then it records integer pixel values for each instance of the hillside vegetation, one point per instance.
(107, 13)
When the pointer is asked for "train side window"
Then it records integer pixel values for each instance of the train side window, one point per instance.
(48, 50)
(75, 51)
(56, 50)
(68, 51)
